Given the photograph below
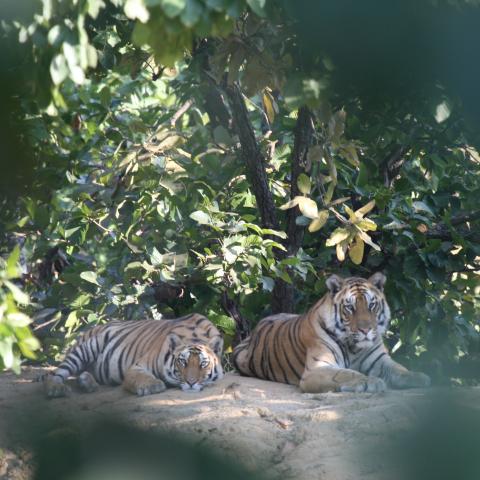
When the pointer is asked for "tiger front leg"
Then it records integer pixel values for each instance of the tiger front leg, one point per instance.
(335, 379)
(54, 386)
(140, 381)
(398, 377)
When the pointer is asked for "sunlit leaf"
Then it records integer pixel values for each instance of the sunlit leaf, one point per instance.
(304, 184)
(268, 104)
(337, 236)
(200, 217)
(366, 238)
(18, 295)
(90, 277)
(319, 222)
(341, 249)
(365, 209)
(290, 204)
(308, 207)
(355, 252)
(367, 225)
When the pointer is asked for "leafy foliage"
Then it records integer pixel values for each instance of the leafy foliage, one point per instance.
(139, 203)
(15, 336)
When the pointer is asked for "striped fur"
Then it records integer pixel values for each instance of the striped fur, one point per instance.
(145, 356)
(336, 346)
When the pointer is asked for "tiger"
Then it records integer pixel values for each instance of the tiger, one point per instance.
(144, 356)
(335, 346)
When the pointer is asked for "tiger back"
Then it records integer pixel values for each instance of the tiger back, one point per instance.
(336, 345)
(145, 356)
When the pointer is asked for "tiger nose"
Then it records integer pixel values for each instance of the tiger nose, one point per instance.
(364, 330)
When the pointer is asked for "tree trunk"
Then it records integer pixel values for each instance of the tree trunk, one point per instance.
(283, 292)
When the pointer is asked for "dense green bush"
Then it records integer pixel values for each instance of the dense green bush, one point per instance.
(185, 150)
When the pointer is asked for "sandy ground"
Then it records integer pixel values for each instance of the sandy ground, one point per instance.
(268, 426)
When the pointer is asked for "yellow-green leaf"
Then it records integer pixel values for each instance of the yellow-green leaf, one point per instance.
(308, 207)
(351, 214)
(365, 209)
(304, 184)
(366, 238)
(269, 105)
(337, 236)
(292, 203)
(328, 196)
(355, 252)
(319, 222)
(367, 225)
(349, 152)
(341, 250)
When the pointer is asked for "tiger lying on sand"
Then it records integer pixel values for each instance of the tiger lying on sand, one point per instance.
(145, 356)
(336, 346)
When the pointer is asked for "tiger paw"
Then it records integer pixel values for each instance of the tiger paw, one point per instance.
(150, 388)
(87, 383)
(55, 387)
(411, 380)
(368, 385)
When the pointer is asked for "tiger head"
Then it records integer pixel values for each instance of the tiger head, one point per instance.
(360, 310)
(194, 366)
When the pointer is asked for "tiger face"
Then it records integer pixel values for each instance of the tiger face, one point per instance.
(361, 313)
(194, 367)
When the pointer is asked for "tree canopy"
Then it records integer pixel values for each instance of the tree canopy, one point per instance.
(225, 156)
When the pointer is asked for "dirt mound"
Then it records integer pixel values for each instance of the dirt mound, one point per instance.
(265, 425)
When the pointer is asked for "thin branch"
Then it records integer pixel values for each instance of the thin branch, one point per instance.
(183, 109)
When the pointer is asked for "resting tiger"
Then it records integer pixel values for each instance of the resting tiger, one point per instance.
(145, 356)
(336, 346)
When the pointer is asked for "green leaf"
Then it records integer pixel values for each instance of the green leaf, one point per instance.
(18, 319)
(257, 6)
(442, 112)
(94, 7)
(18, 295)
(136, 9)
(201, 217)
(304, 184)
(268, 283)
(58, 69)
(192, 13)
(173, 8)
(156, 258)
(90, 277)
(72, 320)
(419, 206)
(12, 269)
(269, 231)
(221, 136)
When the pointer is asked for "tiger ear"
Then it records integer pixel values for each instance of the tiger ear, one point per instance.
(378, 280)
(173, 341)
(217, 347)
(334, 283)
